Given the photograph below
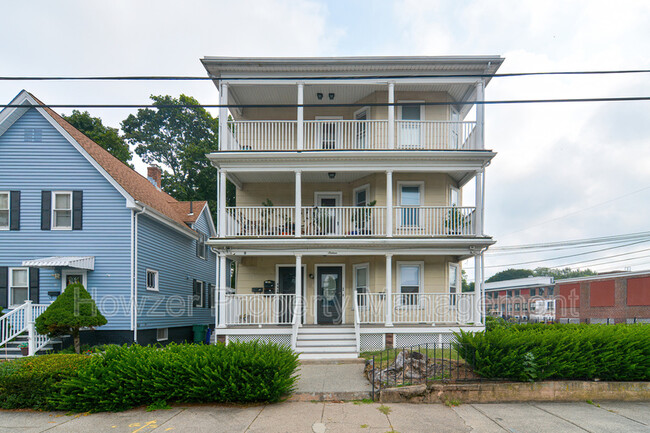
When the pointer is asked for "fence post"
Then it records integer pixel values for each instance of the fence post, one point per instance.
(31, 327)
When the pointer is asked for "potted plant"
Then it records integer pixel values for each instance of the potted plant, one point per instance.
(361, 218)
(456, 222)
(24, 348)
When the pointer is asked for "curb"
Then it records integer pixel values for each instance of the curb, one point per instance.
(330, 396)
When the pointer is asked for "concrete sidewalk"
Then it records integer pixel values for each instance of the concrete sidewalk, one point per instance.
(319, 417)
(332, 381)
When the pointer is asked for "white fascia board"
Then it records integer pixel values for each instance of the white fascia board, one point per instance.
(9, 115)
(295, 78)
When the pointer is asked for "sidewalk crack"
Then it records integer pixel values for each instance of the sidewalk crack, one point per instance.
(561, 417)
(254, 419)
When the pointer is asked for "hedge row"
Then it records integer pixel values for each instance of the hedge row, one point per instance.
(578, 352)
(126, 377)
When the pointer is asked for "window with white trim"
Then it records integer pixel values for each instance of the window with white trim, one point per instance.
(410, 283)
(4, 210)
(454, 283)
(361, 284)
(410, 200)
(162, 334)
(152, 280)
(198, 295)
(361, 195)
(18, 286)
(62, 210)
(454, 196)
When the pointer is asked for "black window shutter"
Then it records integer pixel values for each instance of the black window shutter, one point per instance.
(195, 293)
(206, 298)
(15, 211)
(211, 295)
(4, 282)
(77, 210)
(46, 210)
(34, 285)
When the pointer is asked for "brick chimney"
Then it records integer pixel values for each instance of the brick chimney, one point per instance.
(154, 175)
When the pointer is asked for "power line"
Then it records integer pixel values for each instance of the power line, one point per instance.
(352, 104)
(317, 77)
(575, 242)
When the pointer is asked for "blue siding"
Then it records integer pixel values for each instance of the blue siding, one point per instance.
(173, 255)
(54, 164)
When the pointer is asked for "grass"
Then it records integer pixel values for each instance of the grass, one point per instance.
(384, 409)
(452, 402)
(159, 405)
(363, 401)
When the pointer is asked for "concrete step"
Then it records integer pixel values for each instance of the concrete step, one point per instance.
(326, 349)
(325, 330)
(327, 356)
(326, 337)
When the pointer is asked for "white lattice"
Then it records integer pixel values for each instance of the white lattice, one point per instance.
(631, 321)
(284, 339)
(371, 342)
(407, 340)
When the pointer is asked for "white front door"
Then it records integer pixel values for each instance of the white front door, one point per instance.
(328, 220)
(410, 130)
(328, 132)
(454, 130)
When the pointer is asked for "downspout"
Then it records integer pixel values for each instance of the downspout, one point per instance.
(134, 303)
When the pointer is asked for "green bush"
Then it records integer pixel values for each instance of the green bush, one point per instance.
(539, 352)
(126, 377)
(29, 382)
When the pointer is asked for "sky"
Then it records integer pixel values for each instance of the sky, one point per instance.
(563, 171)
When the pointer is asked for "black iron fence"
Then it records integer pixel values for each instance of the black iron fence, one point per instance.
(420, 364)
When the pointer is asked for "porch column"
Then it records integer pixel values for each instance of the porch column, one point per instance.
(223, 117)
(300, 115)
(389, 203)
(298, 202)
(477, 305)
(222, 291)
(389, 290)
(478, 213)
(480, 115)
(222, 203)
(391, 115)
(298, 303)
(31, 329)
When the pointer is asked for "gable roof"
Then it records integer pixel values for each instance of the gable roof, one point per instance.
(138, 188)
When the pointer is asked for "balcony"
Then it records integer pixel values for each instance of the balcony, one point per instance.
(350, 221)
(288, 135)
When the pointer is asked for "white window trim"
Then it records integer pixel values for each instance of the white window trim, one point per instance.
(146, 282)
(53, 219)
(365, 188)
(361, 110)
(451, 190)
(166, 334)
(66, 272)
(354, 280)
(202, 251)
(202, 294)
(459, 287)
(8, 210)
(402, 183)
(11, 285)
(398, 282)
(337, 195)
(407, 102)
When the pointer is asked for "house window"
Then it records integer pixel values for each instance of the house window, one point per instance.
(201, 247)
(152, 280)
(410, 283)
(550, 291)
(532, 292)
(62, 211)
(4, 210)
(361, 196)
(453, 283)
(541, 291)
(199, 290)
(162, 334)
(517, 307)
(454, 196)
(361, 284)
(410, 201)
(18, 286)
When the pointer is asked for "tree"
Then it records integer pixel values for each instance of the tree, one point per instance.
(509, 274)
(466, 287)
(178, 138)
(557, 274)
(72, 310)
(107, 137)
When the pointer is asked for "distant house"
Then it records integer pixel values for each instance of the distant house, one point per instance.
(621, 297)
(71, 212)
(524, 299)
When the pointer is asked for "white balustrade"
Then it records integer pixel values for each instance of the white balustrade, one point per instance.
(344, 221)
(434, 134)
(16, 322)
(262, 135)
(372, 308)
(346, 134)
(433, 221)
(259, 309)
(432, 308)
(260, 221)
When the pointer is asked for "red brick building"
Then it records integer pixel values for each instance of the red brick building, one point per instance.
(622, 297)
(523, 299)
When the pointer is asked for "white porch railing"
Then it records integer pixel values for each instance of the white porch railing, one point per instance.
(372, 308)
(20, 320)
(346, 134)
(420, 308)
(434, 134)
(259, 309)
(260, 221)
(344, 221)
(434, 221)
(335, 134)
(357, 324)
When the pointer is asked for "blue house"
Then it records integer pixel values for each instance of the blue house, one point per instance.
(71, 212)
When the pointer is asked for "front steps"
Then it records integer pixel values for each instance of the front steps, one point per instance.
(12, 351)
(326, 342)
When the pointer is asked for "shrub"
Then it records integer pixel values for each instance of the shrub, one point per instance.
(29, 382)
(539, 351)
(72, 310)
(126, 377)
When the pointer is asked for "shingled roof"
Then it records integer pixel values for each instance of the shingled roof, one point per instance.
(136, 185)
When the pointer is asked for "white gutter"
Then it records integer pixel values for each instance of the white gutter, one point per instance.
(134, 273)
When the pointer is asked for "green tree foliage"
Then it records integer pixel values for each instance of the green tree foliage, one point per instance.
(558, 274)
(107, 137)
(466, 287)
(178, 138)
(73, 309)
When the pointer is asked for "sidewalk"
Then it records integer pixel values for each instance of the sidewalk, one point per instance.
(332, 382)
(319, 417)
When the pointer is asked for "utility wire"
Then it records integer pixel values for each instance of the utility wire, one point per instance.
(352, 104)
(595, 240)
(317, 77)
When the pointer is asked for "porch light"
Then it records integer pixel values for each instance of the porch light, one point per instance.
(319, 95)
(331, 175)
(331, 96)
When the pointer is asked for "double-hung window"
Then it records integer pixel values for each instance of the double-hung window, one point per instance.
(410, 201)
(4, 210)
(152, 280)
(62, 210)
(18, 286)
(361, 284)
(410, 283)
(454, 283)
